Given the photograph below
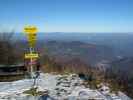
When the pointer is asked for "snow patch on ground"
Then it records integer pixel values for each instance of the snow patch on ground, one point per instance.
(60, 87)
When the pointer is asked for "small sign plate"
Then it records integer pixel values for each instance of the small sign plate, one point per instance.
(31, 55)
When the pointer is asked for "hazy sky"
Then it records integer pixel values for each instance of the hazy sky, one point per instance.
(68, 15)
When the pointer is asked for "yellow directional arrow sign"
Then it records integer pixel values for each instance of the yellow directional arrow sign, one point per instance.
(31, 55)
(31, 35)
(30, 29)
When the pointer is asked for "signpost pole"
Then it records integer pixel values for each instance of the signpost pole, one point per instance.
(31, 66)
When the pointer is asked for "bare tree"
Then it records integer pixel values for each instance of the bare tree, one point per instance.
(6, 48)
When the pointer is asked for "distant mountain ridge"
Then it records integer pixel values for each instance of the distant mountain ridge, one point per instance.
(121, 43)
(124, 65)
(88, 52)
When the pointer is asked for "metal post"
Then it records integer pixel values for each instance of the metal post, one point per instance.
(31, 67)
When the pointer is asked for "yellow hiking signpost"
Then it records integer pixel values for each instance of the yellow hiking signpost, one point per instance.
(31, 38)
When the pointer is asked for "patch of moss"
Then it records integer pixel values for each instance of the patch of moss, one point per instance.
(33, 92)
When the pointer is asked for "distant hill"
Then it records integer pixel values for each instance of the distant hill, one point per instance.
(88, 52)
(123, 66)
